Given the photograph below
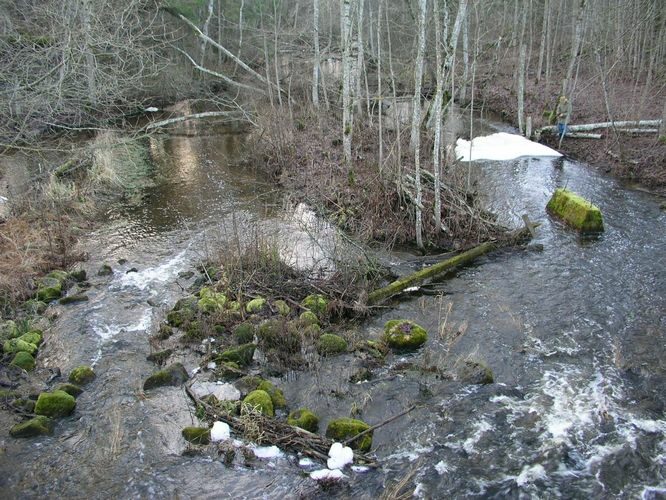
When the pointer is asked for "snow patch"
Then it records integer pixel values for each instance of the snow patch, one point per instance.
(340, 456)
(441, 467)
(267, 452)
(223, 392)
(220, 432)
(500, 146)
(327, 474)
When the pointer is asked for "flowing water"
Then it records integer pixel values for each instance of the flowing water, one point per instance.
(574, 332)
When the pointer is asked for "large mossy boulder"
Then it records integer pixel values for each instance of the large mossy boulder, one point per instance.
(12, 346)
(48, 289)
(178, 317)
(196, 435)
(71, 389)
(32, 337)
(576, 211)
(38, 426)
(308, 318)
(260, 401)
(315, 303)
(82, 375)
(211, 301)
(304, 419)
(241, 355)
(404, 335)
(55, 404)
(282, 307)
(24, 360)
(342, 429)
(173, 375)
(277, 396)
(330, 344)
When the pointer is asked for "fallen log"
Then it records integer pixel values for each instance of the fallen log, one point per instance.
(234, 115)
(586, 127)
(429, 272)
(578, 135)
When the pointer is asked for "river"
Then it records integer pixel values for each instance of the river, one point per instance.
(573, 329)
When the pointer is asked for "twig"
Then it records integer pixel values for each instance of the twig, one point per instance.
(381, 424)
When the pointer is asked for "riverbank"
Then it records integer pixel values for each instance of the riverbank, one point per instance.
(631, 158)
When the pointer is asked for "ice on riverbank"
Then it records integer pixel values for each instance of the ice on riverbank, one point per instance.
(500, 146)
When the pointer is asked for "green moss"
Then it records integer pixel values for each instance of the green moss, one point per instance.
(160, 357)
(27, 405)
(211, 301)
(376, 350)
(189, 302)
(315, 303)
(255, 305)
(194, 332)
(244, 333)
(105, 270)
(404, 335)
(9, 330)
(32, 337)
(241, 355)
(13, 346)
(178, 317)
(24, 360)
(248, 383)
(59, 275)
(234, 306)
(71, 299)
(71, 389)
(173, 375)
(260, 401)
(196, 435)
(342, 429)
(79, 275)
(48, 289)
(7, 395)
(277, 396)
(282, 307)
(82, 375)
(309, 318)
(164, 332)
(55, 404)
(330, 344)
(34, 306)
(38, 426)
(575, 211)
(304, 419)
(228, 371)
(475, 372)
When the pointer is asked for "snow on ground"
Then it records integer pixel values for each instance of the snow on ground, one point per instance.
(267, 452)
(220, 432)
(327, 474)
(340, 456)
(501, 146)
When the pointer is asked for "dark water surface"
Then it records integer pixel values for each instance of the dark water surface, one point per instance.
(575, 335)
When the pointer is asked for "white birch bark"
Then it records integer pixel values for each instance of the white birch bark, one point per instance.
(347, 103)
(439, 97)
(359, 57)
(317, 56)
(416, 119)
(380, 97)
(521, 89)
(211, 4)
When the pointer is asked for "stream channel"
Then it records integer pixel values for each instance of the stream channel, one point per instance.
(574, 332)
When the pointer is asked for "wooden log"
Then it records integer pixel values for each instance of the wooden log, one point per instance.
(579, 135)
(429, 272)
(594, 126)
(234, 115)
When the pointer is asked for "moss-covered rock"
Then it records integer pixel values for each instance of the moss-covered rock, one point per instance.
(38, 426)
(173, 375)
(196, 435)
(27, 405)
(78, 275)
(71, 389)
(159, 357)
(330, 344)
(55, 404)
(282, 307)
(179, 317)
(576, 211)
(309, 318)
(32, 337)
(194, 332)
(24, 360)
(374, 349)
(342, 429)
(164, 332)
(34, 306)
(241, 355)
(244, 333)
(248, 383)
(315, 303)
(234, 306)
(211, 301)
(82, 375)
(9, 330)
(404, 335)
(255, 305)
(475, 372)
(12, 346)
(105, 270)
(59, 275)
(277, 396)
(304, 419)
(228, 371)
(260, 401)
(49, 289)
(72, 299)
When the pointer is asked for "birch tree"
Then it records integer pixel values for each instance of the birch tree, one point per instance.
(347, 103)
(317, 56)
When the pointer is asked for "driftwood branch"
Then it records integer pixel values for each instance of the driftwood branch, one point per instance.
(381, 424)
(234, 115)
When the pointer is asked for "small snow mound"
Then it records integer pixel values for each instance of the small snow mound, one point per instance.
(441, 467)
(220, 432)
(360, 469)
(306, 463)
(267, 452)
(327, 475)
(340, 456)
(211, 365)
(500, 146)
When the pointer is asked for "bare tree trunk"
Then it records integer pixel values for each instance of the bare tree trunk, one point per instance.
(205, 30)
(544, 31)
(576, 45)
(240, 32)
(380, 97)
(276, 61)
(521, 89)
(347, 103)
(359, 57)
(317, 57)
(91, 65)
(416, 119)
(395, 103)
(439, 97)
(463, 89)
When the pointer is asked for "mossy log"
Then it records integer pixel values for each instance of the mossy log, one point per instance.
(429, 272)
(576, 211)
